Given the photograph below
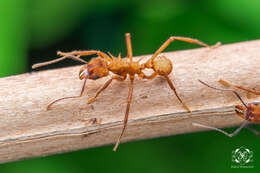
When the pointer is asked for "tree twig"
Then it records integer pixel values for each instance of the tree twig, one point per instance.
(28, 130)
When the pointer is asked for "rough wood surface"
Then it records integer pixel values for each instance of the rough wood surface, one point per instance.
(28, 130)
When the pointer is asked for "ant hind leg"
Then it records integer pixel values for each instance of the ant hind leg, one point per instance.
(174, 90)
(185, 39)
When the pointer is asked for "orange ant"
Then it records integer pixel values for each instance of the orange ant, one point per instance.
(100, 67)
(250, 112)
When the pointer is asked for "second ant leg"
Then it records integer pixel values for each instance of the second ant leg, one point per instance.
(239, 87)
(81, 93)
(105, 86)
(229, 90)
(174, 90)
(256, 132)
(129, 99)
(222, 131)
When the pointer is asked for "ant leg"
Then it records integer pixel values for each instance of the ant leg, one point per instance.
(238, 96)
(256, 132)
(142, 75)
(239, 87)
(85, 53)
(130, 93)
(129, 46)
(76, 58)
(174, 90)
(119, 78)
(185, 39)
(81, 93)
(222, 131)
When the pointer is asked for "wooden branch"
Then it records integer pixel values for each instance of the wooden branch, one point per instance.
(28, 130)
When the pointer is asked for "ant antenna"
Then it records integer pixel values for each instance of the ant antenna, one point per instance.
(76, 58)
(221, 89)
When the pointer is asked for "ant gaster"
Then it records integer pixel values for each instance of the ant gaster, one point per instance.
(100, 67)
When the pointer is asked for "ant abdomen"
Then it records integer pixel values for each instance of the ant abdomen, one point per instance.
(162, 65)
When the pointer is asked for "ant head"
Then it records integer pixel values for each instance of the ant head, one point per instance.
(252, 113)
(95, 69)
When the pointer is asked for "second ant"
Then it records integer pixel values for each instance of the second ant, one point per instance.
(249, 112)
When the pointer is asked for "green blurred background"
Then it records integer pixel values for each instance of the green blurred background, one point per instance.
(32, 31)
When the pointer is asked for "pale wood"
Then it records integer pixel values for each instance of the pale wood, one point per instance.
(28, 130)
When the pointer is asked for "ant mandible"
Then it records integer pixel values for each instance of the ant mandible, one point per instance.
(249, 112)
(100, 67)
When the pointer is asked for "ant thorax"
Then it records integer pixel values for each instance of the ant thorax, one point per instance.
(124, 66)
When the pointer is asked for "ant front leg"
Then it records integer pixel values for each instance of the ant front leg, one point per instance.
(222, 131)
(119, 78)
(129, 99)
(81, 93)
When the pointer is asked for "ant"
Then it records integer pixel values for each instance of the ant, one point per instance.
(100, 67)
(249, 112)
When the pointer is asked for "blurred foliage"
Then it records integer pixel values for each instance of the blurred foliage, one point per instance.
(13, 38)
(32, 31)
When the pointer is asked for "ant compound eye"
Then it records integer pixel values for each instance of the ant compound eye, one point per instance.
(95, 77)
